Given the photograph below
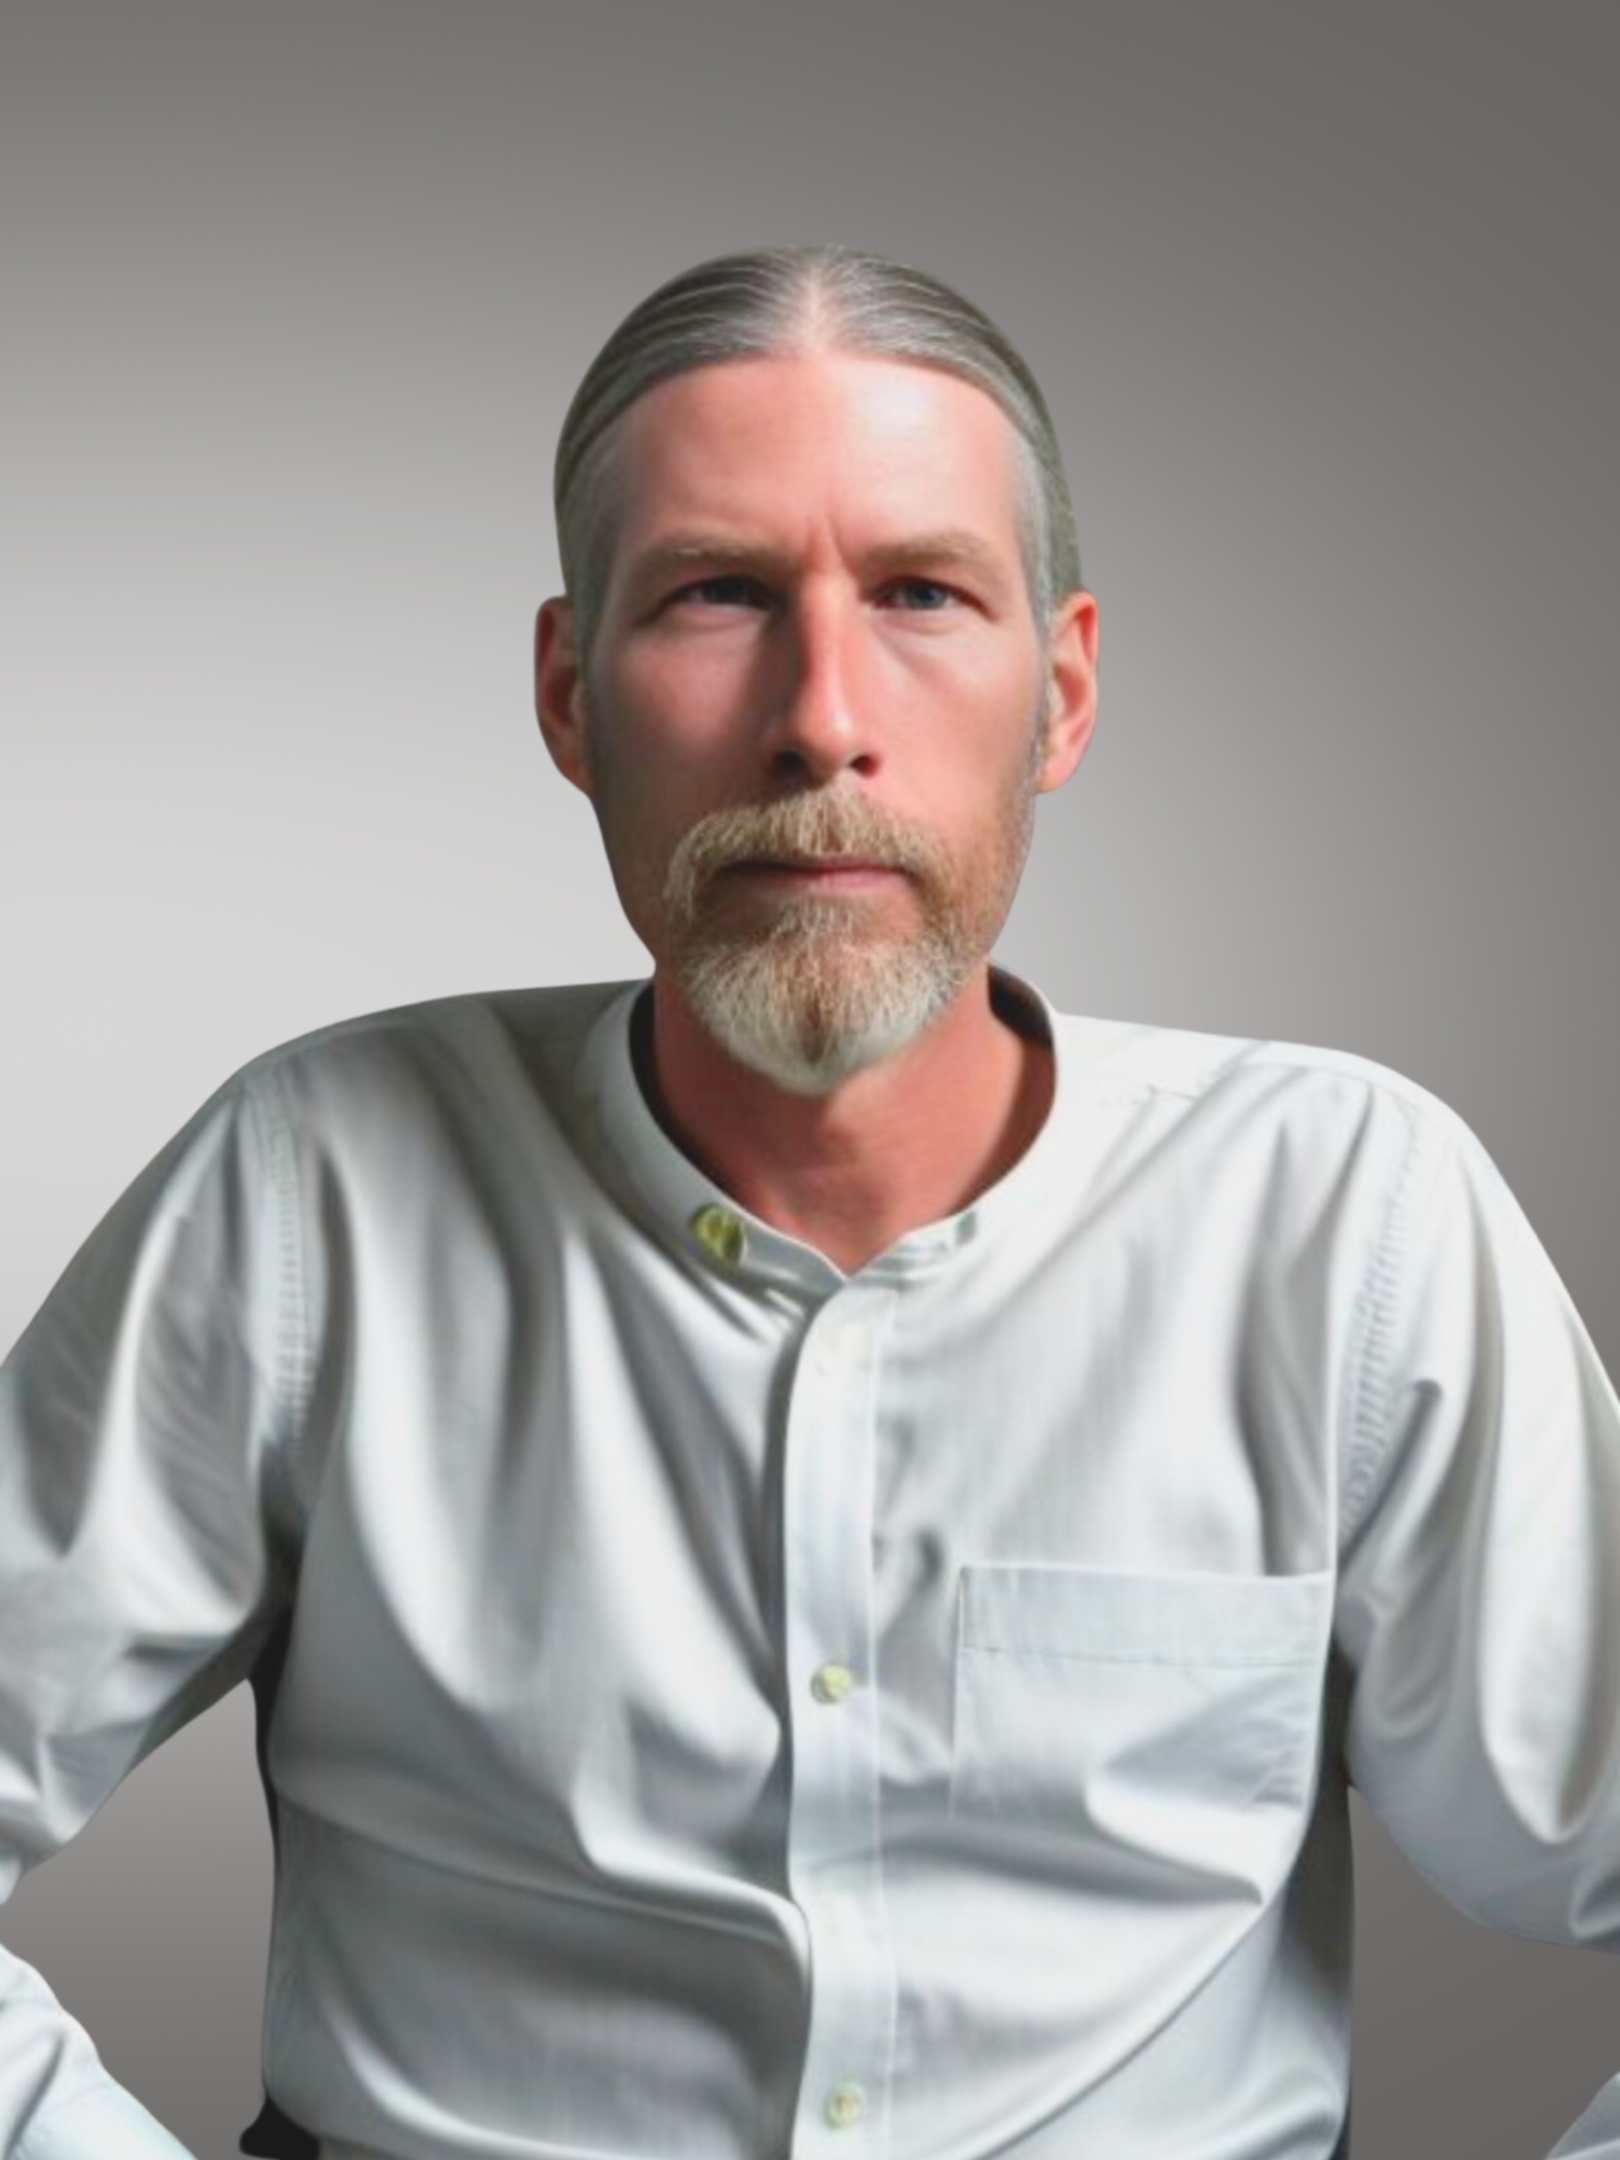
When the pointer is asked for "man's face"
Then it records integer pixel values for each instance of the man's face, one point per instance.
(819, 705)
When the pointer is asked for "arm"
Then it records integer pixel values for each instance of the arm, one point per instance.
(1479, 1601)
(1597, 2135)
(145, 1542)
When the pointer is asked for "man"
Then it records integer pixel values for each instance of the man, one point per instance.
(818, 1542)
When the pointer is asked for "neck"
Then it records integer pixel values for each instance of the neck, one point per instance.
(901, 1143)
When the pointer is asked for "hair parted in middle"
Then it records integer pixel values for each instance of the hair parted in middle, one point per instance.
(782, 299)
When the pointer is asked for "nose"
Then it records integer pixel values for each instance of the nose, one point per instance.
(819, 723)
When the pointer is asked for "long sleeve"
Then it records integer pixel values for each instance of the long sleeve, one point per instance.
(146, 1422)
(1597, 2135)
(1479, 1602)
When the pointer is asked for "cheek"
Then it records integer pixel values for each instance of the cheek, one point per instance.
(656, 744)
(969, 656)
(688, 691)
(646, 803)
(970, 707)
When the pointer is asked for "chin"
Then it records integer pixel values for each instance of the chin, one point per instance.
(808, 1015)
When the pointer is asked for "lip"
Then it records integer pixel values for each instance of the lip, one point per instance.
(840, 873)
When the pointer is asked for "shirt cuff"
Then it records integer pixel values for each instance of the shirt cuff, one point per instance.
(105, 2123)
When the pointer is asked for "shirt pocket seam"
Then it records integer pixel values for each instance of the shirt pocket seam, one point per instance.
(1017, 1617)
(1214, 1661)
(1178, 1617)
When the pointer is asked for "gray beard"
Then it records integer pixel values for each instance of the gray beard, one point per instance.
(816, 998)
(815, 993)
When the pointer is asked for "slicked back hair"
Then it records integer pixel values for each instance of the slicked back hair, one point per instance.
(780, 300)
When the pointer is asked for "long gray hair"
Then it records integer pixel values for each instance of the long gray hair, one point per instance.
(773, 300)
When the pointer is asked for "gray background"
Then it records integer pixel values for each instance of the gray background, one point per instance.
(294, 296)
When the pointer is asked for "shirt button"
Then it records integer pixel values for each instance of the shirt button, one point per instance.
(846, 2104)
(720, 1231)
(832, 1683)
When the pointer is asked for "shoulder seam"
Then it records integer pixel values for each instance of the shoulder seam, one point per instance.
(292, 1378)
(1365, 1416)
(1351, 1065)
(417, 1015)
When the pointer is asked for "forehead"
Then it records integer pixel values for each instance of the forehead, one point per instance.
(780, 445)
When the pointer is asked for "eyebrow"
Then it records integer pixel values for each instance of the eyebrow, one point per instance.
(724, 553)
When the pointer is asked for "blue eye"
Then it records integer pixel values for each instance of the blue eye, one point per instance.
(922, 595)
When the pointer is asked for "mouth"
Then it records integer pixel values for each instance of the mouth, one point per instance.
(824, 873)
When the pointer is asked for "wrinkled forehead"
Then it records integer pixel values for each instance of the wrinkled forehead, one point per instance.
(776, 444)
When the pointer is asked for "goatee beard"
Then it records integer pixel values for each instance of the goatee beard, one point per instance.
(808, 988)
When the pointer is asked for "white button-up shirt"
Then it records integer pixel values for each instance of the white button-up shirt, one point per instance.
(721, 1708)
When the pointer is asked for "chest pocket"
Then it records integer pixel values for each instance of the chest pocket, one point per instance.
(1139, 1727)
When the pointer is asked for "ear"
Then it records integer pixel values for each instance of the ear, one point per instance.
(559, 692)
(1072, 689)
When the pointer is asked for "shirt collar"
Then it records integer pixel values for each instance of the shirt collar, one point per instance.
(711, 1229)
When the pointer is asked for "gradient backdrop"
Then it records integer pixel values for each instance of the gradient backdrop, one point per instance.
(1324, 301)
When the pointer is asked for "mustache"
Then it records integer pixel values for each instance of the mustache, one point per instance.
(796, 828)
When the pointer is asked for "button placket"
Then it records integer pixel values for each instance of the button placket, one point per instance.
(831, 1683)
(834, 1861)
(846, 2104)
